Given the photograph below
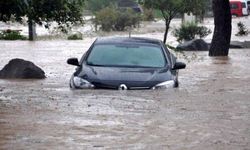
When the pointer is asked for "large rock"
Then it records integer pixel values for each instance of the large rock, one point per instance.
(236, 44)
(21, 69)
(193, 45)
(247, 44)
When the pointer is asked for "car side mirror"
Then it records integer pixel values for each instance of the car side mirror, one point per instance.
(179, 65)
(73, 61)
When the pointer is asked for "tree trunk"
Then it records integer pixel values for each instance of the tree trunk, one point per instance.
(167, 23)
(32, 30)
(223, 28)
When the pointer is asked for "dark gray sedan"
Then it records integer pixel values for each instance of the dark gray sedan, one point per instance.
(126, 63)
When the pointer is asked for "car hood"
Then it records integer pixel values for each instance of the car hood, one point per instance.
(113, 77)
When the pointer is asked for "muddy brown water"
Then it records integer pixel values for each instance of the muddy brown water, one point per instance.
(210, 110)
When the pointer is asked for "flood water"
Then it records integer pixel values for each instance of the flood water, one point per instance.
(210, 110)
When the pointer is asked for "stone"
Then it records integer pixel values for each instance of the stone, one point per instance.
(247, 44)
(21, 69)
(193, 45)
(236, 44)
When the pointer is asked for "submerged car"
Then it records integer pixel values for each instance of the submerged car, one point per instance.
(126, 63)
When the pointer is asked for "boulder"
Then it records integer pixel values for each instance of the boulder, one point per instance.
(193, 45)
(247, 44)
(236, 44)
(21, 69)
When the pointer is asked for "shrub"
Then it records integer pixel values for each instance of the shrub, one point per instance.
(148, 14)
(11, 35)
(126, 18)
(203, 32)
(189, 31)
(116, 19)
(242, 29)
(76, 36)
(106, 18)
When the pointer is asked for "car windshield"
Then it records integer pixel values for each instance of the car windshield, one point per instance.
(126, 56)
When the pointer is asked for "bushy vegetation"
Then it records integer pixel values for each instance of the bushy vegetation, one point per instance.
(106, 18)
(11, 35)
(114, 19)
(148, 14)
(171, 8)
(126, 18)
(75, 36)
(189, 31)
(242, 31)
(42, 12)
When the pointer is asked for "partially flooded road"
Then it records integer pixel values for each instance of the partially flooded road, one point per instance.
(210, 110)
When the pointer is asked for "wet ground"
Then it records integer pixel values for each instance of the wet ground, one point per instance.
(210, 110)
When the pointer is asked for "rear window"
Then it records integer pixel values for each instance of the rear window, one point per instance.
(126, 56)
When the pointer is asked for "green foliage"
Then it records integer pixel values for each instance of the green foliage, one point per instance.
(170, 8)
(11, 8)
(11, 35)
(76, 36)
(106, 18)
(242, 29)
(148, 14)
(189, 31)
(181, 53)
(43, 12)
(157, 13)
(203, 32)
(126, 18)
(197, 7)
(97, 5)
(114, 19)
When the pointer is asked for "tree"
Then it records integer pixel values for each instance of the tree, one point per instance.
(64, 12)
(170, 8)
(116, 19)
(223, 28)
(11, 8)
(198, 9)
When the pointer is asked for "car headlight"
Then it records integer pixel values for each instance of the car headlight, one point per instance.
(165, 85)
(81, 83)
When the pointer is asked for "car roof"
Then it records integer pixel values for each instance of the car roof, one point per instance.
(127, 40)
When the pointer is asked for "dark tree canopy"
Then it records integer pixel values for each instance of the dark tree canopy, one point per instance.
(43, 12)
(11, 8)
